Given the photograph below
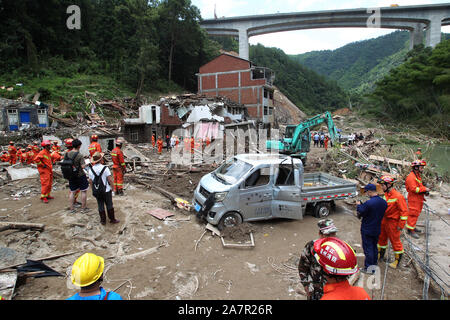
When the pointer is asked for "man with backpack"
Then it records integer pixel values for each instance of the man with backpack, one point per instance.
(72, 168)
(101, 183)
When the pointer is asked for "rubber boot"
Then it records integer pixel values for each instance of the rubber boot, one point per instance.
(111, 216)
(102, 217)
(418, 230)
(381, 253)
(394, 264)
(413, 234)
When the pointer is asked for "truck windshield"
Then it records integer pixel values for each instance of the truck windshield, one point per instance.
(232, 170)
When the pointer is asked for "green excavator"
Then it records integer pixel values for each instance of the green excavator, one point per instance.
(297, 138)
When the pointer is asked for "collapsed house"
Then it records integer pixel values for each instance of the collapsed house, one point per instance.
(197, 116)
(19, 115)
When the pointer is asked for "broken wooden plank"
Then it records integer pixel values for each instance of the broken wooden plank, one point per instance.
(160, 214)
(240, 245)
(21, 226)
(389, 160)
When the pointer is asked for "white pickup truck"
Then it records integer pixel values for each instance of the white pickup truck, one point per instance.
(251, 187)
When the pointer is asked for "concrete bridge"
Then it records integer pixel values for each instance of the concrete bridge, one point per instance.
(415, 19)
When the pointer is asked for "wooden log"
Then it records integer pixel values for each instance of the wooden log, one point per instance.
(21, 226)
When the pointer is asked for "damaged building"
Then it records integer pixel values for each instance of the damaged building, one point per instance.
(201, 116)
(19, 115)
(242, 82)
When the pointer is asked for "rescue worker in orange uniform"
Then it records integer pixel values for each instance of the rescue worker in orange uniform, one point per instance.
(55, 146)
(5, 156)
(31, 155)
(153, 140)
(94, 146)
(419, 153)
(24, 155)
(338, 261)
(208, 141)
(416, 196)
(159, 143)
(192, 144)
(45, 168)
(12, 150)
(394, 220)
(35, 147)
(19, 155)
(55, 156)
(119, 167)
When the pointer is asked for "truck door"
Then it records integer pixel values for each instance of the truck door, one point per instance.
(286, 193)
(255, 195)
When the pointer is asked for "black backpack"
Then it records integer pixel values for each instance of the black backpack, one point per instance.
(98, 187)
(68, 170)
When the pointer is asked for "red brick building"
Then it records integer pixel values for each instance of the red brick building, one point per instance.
(240, 81)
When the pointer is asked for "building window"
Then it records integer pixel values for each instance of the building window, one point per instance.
(134, 136)
(42, 117)
(13, 117)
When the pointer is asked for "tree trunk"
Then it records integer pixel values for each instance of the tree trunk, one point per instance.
(172, 48)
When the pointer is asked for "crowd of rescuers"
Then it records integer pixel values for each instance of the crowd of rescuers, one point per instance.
(325, 264)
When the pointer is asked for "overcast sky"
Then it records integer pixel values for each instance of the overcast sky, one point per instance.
(295, 42)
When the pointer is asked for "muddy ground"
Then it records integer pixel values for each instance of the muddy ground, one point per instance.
(148, 258)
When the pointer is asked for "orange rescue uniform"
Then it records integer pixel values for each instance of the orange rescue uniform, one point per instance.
(5, 157)
(31, 155)
(343, 291)
(55, 156)
(94, 147)
(416, 196)
(118, 168)
(12, 154)
(159, 143)
(394, 219)
(45, 168)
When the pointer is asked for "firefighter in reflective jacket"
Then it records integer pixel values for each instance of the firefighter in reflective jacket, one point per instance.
(45, 168)
(394, 220)
(416, 196)
(31, 155)
(119, 167)
(12, 153)
(55, 146)
(159, 143)
(4, 157)
(94, 146)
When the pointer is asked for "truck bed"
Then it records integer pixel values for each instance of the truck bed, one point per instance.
(320, 186)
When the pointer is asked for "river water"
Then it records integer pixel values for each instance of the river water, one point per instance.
(438, 156)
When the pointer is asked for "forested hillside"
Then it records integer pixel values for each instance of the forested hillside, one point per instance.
(143, 45)
(351, 64)
(415, 93)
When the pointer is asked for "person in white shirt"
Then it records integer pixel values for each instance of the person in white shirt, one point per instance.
(105, 199)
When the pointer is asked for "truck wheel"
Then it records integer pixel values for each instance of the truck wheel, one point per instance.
(322, 209)
(230, 219)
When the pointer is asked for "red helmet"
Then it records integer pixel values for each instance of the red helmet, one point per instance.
(46, 143)
(68, 142)
(386, 179)
(94, 137)
(417, 163)
(335, 256)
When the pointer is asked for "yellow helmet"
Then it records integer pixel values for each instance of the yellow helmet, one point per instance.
(87, 269)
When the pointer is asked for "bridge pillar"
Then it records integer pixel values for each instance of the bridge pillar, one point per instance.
(416, 36)
(433, 34)
(244, 51)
